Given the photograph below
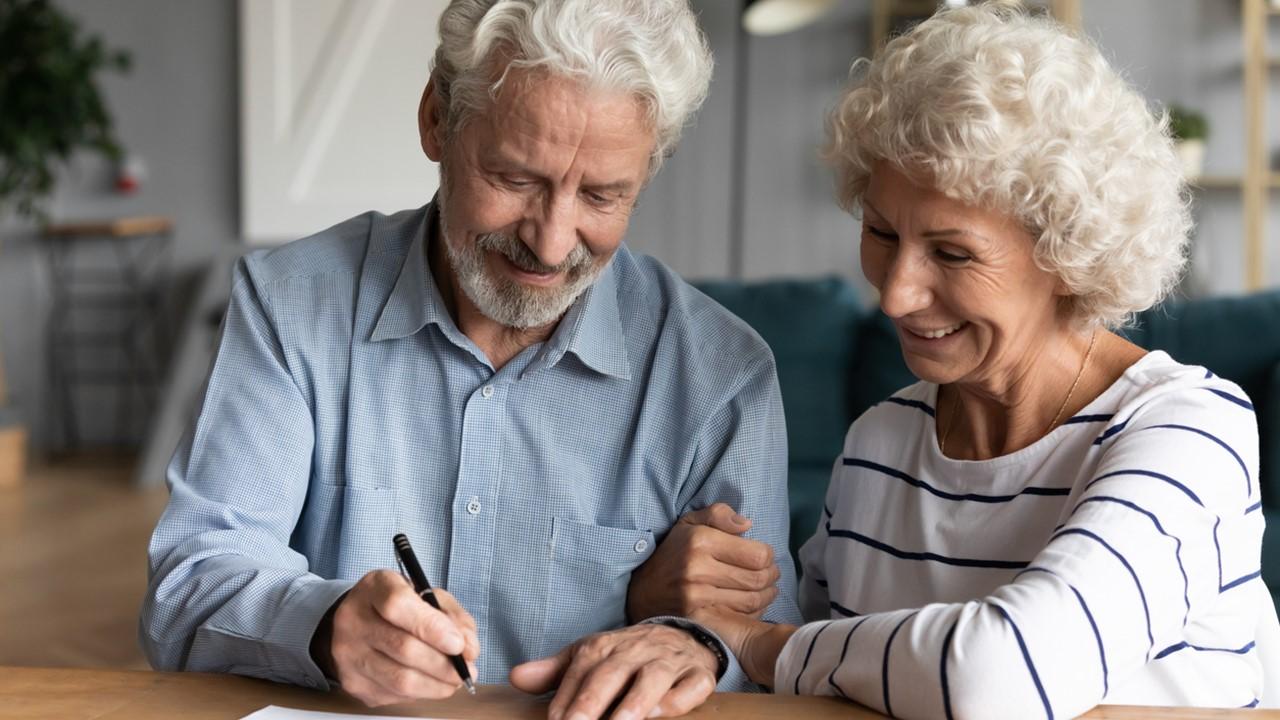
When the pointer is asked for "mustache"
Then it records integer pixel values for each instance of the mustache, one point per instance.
(522, 257)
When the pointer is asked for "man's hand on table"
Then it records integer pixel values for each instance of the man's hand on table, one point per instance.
(654, 670)
(704, 562)
(389, 646)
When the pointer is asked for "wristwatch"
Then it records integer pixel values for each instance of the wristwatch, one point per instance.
(704, 637)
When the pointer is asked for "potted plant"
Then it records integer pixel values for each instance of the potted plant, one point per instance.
(1189, 129)
(50, 107)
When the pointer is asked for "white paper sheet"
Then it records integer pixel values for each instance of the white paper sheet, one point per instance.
(275, 712)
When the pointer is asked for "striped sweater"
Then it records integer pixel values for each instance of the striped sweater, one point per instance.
(1114, 560)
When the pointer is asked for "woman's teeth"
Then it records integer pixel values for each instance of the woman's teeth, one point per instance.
(942, 332)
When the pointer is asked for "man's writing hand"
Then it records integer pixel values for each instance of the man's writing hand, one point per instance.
(702, 563)
(389, 646)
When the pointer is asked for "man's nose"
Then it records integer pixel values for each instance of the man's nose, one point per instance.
(550, 229)
(907, 285)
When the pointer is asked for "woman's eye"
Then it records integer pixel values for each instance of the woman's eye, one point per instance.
(952, 257)
(882, 234)
(518, 183)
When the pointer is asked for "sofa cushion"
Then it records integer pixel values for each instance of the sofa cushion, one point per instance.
(811, 326)
(807, 488)
(1237, 338)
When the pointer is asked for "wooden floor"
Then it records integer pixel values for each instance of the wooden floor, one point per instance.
(73, 564)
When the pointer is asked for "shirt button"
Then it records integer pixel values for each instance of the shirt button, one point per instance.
(487, 391)
(473, 507)
(642, 545)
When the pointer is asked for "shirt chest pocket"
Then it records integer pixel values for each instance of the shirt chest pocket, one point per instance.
(590, 570)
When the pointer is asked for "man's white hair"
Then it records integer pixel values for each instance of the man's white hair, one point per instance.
(999, 109)
(652, 49)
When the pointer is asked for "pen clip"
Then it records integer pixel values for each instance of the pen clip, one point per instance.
(400, 565)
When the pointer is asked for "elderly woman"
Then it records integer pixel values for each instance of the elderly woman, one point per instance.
(1053, 517)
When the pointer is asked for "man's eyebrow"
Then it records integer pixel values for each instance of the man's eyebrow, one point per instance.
(615, 186)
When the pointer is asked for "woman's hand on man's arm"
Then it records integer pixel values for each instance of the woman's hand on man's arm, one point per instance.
(705, 562)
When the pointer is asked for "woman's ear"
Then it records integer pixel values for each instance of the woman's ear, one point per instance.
(430, 127)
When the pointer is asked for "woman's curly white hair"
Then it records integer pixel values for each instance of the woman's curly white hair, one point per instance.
(999, 109)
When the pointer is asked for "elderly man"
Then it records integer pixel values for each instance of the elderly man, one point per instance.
(496, 376)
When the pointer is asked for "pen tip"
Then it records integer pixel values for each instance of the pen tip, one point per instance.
(471, 687)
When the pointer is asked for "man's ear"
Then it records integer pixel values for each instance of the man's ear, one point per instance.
(430, 127)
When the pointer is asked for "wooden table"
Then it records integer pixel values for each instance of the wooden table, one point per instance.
(30, 693)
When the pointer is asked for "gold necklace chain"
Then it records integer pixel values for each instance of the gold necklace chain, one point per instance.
(955, 404)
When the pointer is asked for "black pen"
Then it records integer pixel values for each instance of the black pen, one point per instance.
(423, 588)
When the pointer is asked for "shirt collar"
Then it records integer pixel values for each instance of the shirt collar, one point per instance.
(591, 329)
(415, 301)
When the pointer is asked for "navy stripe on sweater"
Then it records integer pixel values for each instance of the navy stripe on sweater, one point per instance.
(942, 673)
(884, 668)
(971, 497)
(911, 404)
(927, 556)
(1177, 548)
(831, 679)
(1184, 646)
(1031, 666)
(809, 655)
(1248, 481)
(1232, 398)
(1097, 635)
(1147, 473)
(1146, 610)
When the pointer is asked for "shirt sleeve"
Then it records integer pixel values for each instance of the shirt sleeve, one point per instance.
(742, 461)
(1166, 526)
(226, 592)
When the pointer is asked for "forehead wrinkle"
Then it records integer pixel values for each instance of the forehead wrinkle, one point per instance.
(537, 117)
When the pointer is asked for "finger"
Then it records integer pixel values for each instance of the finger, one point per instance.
(566, 689)
(652, 682)
(463, 621)
(406, 649)
(737, 551)
(688, 693)
(719, 516)
(731, 577)
(402, 607)
(599, 687)
(400, 683)
(538, 676)
(739, 601)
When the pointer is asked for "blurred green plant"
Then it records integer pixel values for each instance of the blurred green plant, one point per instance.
(50, 105)
(1187, 124)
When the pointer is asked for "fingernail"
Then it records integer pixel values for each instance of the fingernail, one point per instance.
(655, 712)
(739, 519)
(579, 716)
(624, 715)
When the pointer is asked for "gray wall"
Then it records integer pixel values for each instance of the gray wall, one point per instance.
(177, 109)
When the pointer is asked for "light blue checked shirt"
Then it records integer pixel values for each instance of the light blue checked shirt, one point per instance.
(345, 405)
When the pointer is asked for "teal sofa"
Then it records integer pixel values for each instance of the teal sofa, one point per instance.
(837, 357)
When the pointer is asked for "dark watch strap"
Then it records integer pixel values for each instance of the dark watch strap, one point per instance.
(711, 642)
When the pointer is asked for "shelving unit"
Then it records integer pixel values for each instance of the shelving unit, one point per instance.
(1258, 178)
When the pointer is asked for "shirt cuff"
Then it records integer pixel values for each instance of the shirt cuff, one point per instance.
(288, 644)
(734, 678)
